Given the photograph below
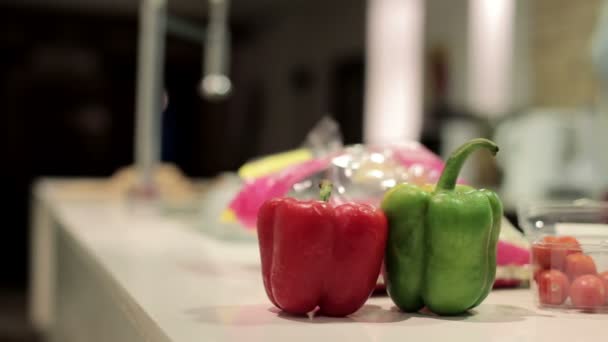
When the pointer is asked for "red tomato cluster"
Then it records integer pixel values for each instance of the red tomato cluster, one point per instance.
(563, 271)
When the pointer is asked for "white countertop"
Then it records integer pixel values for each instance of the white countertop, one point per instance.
(195, 288)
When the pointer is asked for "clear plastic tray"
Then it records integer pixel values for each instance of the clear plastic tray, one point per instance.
(569, 256)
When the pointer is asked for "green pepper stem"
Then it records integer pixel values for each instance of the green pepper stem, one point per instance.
(452, 168)
(326, 188)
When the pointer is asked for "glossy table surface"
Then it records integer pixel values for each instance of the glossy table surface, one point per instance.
(187, 286)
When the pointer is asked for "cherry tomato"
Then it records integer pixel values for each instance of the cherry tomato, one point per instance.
(587, 292)
(551, 251)
(541, 252)
(578, 265)
(572, 244)
(536, 273)
(553, 287)
(604, 276)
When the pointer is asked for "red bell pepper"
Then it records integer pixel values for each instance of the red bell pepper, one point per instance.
(315, 255)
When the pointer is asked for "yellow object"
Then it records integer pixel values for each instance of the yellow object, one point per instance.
(273, 163)
(228, 216)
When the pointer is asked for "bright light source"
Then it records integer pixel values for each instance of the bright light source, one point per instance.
(394, 85)
(216, 86)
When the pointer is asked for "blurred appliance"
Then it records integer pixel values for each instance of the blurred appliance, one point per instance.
(550, 154)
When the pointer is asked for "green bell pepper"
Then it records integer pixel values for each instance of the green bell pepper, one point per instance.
(441, 248)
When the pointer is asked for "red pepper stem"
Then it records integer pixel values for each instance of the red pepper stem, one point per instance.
(448, 178)
(325, 192)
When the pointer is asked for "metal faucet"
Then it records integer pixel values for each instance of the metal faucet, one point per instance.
(154, 24)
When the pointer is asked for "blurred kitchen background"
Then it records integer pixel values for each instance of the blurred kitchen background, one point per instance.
(530, 74)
